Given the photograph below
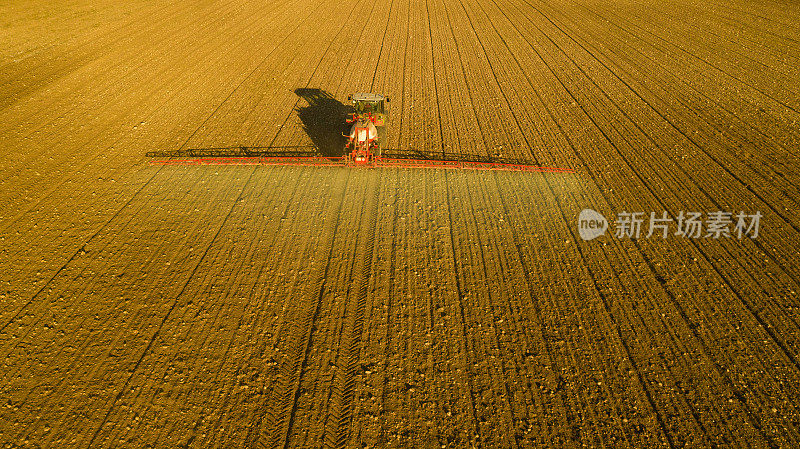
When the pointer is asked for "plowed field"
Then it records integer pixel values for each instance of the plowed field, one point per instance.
(253, 306)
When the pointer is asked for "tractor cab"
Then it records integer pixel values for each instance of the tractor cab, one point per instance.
(373, 107)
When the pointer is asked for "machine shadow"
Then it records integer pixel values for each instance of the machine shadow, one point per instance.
(324, 120)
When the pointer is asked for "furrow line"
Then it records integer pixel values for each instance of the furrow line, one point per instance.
(353, 357)
(643, 183)
(169, 312)
(75, 254)
(457, 267)
(788, 354)
(299, 365)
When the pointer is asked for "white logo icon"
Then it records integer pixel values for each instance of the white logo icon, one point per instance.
(591, 224)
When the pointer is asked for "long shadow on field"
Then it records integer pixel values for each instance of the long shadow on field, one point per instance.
(324, 120)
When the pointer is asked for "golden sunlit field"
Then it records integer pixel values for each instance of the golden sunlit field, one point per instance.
(254, 306)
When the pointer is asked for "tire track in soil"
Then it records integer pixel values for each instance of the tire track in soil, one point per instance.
(336, 382)
(790, 356)
(439, 364)
(131, 169)
(106, 223)
(778, 342)
(103, 95)
(658, 349)
(205, 335)
(286, 434)
(115, 356)
(172, 307)
(476, 33)
(266, 417)
(339, 396)
(224, 221)
(365, 244)
(708, 355)
(344, 386)
(290, 401)
(283, 424)
(461, 300)
(628, 354)
(426, 394)
(642, 382)
(752, 417)
(593, 276)
(75, 254)
(335, 427)
(582, 415)
(370, 424)
(746, 100)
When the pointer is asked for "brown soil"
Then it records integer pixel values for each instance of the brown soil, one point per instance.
(307, 307)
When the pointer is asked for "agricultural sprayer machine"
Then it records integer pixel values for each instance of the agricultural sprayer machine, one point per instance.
(364, 147)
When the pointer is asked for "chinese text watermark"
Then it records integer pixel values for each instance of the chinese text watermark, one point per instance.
(714, 225)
